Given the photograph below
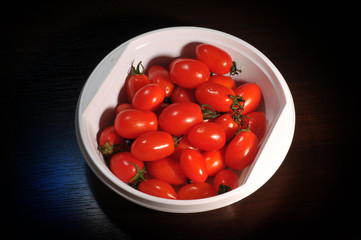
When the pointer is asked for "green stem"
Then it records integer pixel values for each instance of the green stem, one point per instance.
(136, 71)
(209, 112)
(234, 70)
(138, 177)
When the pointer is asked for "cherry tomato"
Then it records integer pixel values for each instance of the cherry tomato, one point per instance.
(227, 178)
(183, 144)
(189, 73)
(215, 95)
(252, 95)
(257, 123)
(121, 165)
(228, 124)
(109, 141)
(152, 146)
(136, 81)
(242, 150)
(159, 75)
(226, 81)
(183, 95)
(149, 97)
(157, 188)
(193, 165)
(207, 136)
(217, 60)
(214, 161)
(122, 107)
(130, 123)
(196, 191)
(168, 170)
(179, 118)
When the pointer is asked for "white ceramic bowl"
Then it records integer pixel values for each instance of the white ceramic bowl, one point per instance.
(105, 89)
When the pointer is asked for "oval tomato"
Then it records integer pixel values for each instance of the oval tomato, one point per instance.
(196, 191)
(215, 161)
(217, 60)
(189, 73)
(157, 188)
(121, 165)
(193, 165)
(215, 95)
(136, 81)
(152, 146)
(242, 150)
(252, 95)
(227, 178)
(149, 97)
(122, 107)
(183, 95)
(130, 123)
(183, 144)
(179, 118)
(207, 136)
(257, 123)
(168, 170)
(110, 141)
(228, 124)
(226, 81)
(159, 75)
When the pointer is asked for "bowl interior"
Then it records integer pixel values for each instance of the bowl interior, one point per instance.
(105, 89)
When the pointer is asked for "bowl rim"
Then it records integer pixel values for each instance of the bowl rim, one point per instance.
(162, 204)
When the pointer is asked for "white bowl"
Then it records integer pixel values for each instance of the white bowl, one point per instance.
(105, 89)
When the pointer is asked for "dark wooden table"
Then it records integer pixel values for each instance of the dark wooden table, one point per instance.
(50, 48)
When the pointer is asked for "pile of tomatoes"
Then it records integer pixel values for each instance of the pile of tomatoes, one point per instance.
(185, 130)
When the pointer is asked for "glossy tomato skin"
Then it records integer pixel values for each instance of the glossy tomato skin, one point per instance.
(157, 188)
(152, 146)
(122, 107)
(179, 118)
(193, 165)
(183, 144)
(227, 178)
(215, 161)
(134, 83)
(217, 60)
(189, 73)
(215, 95)
(168, 170)
(110, 135)
(196, 191)
(226, 81)
(181, 95)
(131, 123)
(149, 97)
(121, 166)
(207, 136)
(242, 150)
(252, 94)
(159, 75)
(257, 123)
(228, 124)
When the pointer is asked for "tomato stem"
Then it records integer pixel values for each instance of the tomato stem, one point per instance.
(223, 189)
(177, 140)
(138, 177)
(234, 70)
(209, 112)
(136, 71)
(108, 149)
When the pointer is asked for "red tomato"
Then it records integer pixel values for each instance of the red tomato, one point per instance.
(183, 144)
(168, 170)
(149, 97)
(193, 165)
(136, 81)
(157, 188)
(159, 75)
(130, 123)
(196, 191)
(217, 60)
(226, 81)
(189, 73)
(179, 118)
(122, 107)
(257, 123)
(215, 95)
(183, 95)
(252, 95)
(214, 161)
(121, 165)
(152, 146)
(207, 136)
(228, 124)
(110, 141)
(227, 178)
(242, 150)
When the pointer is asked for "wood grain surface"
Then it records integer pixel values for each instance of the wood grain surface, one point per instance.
(49, 50)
